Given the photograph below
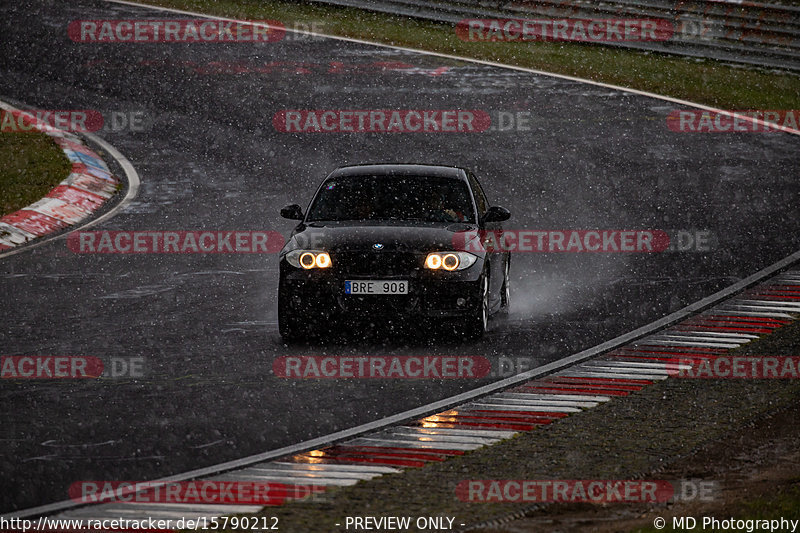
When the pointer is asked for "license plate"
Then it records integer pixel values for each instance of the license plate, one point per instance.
(375, 286)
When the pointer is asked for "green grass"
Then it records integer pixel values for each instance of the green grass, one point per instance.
(783, 504)
(31, 164)
(702, 81)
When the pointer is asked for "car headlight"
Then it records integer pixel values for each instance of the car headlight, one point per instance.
(449, 260)
(308, 259)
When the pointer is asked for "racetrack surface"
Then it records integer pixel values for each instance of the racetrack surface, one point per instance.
(210, 158)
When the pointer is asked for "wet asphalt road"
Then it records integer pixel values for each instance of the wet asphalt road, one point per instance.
(210, 158)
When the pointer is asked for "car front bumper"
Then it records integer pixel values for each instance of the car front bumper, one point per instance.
(433, 294)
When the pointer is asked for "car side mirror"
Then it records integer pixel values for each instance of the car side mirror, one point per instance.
(292, 212)
(496, 214)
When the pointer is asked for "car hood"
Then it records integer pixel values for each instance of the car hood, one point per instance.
(354, 236)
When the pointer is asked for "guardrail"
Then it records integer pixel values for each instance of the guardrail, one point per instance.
(763, 35)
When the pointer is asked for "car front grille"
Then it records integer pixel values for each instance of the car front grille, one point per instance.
(376, 263)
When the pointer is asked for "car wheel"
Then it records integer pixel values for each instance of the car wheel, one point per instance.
(289, 326)
(505, 292)
(479, 322)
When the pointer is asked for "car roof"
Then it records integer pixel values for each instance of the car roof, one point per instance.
(392, 169)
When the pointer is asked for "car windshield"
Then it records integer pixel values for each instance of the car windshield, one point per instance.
(424, 198)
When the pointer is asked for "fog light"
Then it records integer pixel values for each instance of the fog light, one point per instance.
(461, 302)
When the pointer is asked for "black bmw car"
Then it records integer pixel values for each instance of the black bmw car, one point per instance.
(379, 241)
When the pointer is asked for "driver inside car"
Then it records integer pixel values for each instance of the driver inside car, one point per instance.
(439, 210)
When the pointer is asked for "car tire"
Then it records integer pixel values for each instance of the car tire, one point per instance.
(505, 291)
(478, 323)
